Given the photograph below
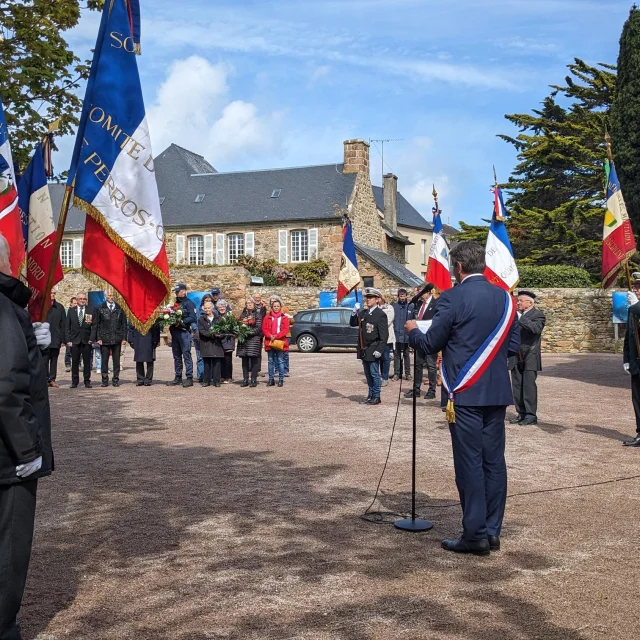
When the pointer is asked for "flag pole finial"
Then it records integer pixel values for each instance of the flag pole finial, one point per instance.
(435, 197)
(495, 176)
(607, 140)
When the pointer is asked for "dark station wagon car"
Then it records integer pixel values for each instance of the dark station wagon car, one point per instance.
(317, 328)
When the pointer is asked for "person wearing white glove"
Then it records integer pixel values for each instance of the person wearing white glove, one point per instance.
(43, 334)
(632, 298)
(373, 333)
(356, 308)
(25, 437)
(625, 366)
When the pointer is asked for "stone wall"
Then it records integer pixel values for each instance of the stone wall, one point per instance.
(578, 320)
(363, 211)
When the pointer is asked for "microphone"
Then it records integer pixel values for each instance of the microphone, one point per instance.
(427, 288)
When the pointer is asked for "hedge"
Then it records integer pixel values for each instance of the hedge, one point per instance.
(554, 277)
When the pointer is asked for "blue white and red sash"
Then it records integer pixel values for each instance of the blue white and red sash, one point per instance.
(481, 359)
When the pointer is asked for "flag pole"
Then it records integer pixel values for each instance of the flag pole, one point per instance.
(607, 139)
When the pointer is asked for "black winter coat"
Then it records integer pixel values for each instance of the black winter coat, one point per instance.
(252, 346)
(210, 346)
(374, 333)
(630, 349)
(25, 418)
(144, 347)
(57, 319)
(109, 327)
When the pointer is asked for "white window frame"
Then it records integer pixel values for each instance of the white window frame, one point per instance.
(423, 252)
(208, 248)
(220, 248)
(297, 252)
(283, 246)
(249, 244)
(233, 240)
(66, 254)
(195, 250)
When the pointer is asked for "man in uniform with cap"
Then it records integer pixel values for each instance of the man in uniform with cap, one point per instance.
(525, 366)
(630, 356)
(181, 338)
(372, 340)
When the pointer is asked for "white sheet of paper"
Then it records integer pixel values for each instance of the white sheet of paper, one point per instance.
(424, 325)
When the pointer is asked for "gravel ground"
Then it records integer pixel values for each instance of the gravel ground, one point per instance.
(233, 513)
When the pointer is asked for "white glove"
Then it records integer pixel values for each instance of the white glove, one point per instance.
(356, 308)
(625, 366)
(632, 298)
(377, 354)
(43, 334)
(25, 470)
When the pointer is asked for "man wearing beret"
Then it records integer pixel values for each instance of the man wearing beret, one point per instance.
(372, 340)
(525, 366)
(630, 356)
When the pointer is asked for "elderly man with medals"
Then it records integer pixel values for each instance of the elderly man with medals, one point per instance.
(372, 340)
(475, 328)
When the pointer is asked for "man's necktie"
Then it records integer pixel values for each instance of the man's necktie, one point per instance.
(80, 314)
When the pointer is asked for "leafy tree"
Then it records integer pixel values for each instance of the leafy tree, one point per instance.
(555, 193)
(625, 116)
(38, 72)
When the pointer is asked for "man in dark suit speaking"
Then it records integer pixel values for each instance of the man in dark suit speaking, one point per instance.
(78, 332)
(475, 328)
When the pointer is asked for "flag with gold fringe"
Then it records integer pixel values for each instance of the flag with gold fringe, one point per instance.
(113, 177)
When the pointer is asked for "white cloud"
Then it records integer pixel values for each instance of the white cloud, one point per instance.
(193, 109)
(318, 73)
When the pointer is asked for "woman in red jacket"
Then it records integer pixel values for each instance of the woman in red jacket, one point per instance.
(275, 327)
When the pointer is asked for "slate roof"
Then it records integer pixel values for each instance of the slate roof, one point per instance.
(389, 264)
(408, 215)
(75, 217)
(179, 159)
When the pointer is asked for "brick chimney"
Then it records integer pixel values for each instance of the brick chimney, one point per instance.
(356, 156)
(390, 191)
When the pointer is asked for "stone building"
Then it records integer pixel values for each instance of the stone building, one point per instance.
(289, 215)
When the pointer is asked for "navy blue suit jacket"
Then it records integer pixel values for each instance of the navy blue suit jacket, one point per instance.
(466, 315)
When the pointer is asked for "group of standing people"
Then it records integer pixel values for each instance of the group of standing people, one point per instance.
(268, 330)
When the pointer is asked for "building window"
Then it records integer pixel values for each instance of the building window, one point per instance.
(300, 246)
(423, 252)
(66, 254)
(424, 275)
(196, 250)
(236, 246)
(367, 281)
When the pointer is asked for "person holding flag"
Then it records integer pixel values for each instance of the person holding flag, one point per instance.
(501, 268)
(112, 175)
(10, 222)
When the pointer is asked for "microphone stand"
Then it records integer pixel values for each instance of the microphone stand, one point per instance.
(413, 524)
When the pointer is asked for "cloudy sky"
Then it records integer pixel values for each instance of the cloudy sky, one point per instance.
(255, 84)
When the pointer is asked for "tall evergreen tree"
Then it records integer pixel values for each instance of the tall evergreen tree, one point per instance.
(555, 193)
(625, 116)
(38, 71)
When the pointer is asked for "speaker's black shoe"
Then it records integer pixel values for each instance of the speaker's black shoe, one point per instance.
(475, 547)
(175, 382)
(140, 383)
(116, 383)
(366, 400)
(188, 383)
(528, 420)
(245, 383)
(271, 383)
(104, 384)
(494, 543)
(632, 443)
(517, 420)
(87, 385)
(430, 395)
(281, 383)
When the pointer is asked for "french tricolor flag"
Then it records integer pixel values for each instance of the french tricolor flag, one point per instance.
(349, 276)
(501, 268)
(38, 229)
(10, 221)
(113, 177)
(438, 272)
